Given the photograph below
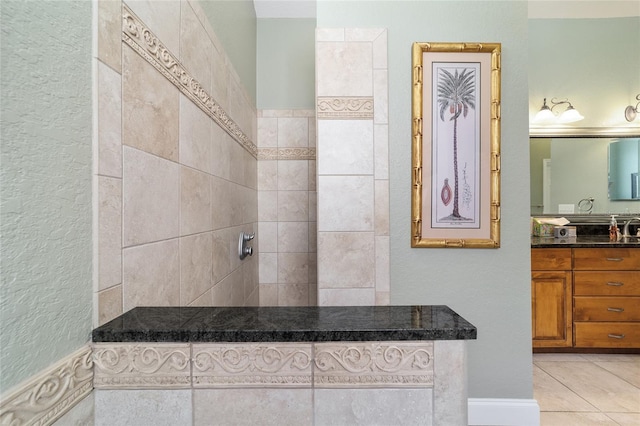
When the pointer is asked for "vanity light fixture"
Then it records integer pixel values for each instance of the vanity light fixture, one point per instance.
(547, 116)
(631, 112)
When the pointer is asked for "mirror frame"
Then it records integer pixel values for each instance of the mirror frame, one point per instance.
(583, 132)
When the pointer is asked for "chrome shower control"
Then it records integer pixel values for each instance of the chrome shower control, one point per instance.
(243, 249)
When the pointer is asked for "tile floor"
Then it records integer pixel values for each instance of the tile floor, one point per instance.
(587, 389)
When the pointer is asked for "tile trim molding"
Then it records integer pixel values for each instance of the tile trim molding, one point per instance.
(139, 37)
(137, 366)
(274, 365)
(286, 153)
(345, 108)
(253, 365)
(48, 395)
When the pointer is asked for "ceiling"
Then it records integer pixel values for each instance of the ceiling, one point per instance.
(285, 8)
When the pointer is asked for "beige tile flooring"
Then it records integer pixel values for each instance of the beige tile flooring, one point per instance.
(587, 389)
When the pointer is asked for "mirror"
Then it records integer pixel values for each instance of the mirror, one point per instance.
(573, 175)
(624, 163)
(588, 57)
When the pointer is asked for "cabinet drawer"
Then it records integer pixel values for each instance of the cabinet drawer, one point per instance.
(607, 334)
(551, 259)
(606, 283)
(589, 259)
(606, 308)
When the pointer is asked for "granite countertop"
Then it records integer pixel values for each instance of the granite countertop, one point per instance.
(286, 324)
(584, 241)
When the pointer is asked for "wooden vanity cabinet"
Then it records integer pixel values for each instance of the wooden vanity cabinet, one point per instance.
(606, 297)
(551, 284)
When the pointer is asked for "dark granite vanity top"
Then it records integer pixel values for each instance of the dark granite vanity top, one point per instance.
(584, 241)
(285, 324)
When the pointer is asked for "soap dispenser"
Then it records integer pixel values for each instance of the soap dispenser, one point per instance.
(613, 229)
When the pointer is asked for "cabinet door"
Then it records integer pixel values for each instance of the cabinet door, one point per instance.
(551, 309)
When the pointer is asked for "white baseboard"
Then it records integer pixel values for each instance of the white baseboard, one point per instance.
(503, 412)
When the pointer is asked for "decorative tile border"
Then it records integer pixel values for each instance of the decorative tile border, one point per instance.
(286, 153)
(251, 365)
(137, 36)
(341, 108)
(49, 395)
(373, 364)
(141, 366)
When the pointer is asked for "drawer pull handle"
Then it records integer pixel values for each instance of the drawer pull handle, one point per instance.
(615, 309)
(615, 284)
(616, 336)
(615, 259)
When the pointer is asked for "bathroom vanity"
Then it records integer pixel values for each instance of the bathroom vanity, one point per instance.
(585, 294)
(285, 365)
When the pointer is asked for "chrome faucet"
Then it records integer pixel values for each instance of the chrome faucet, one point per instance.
(625, 230)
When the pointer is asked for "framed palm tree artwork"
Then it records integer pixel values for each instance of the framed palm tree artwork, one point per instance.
(456, 145)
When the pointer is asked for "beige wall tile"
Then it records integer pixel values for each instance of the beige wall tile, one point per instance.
(151, 275)
(221, 254)
(312, 132)
(236, 288)
(293, 237)
(267, 206)
(267, 237)
(346, 259)
(195, 137)
(336, 192)
(313, 206)
(196, 264)
(195, 47)
(220, 77)
(109, 232)
(195, 201)
(151, 200)
(313, 268)
(380, 97)
(293, 205)
(143, 407)
(293, 132)
(381, 226)
(267, 132)
(344, 69)
(268, 294)
(346, 296)
(382, 265)
(109, 121)
(450, 382)
(109, 33)
(268, 268)
(250, 170)
(329, 34)
(383, 298)
(347, 147)
(267, 175)
(293, 175)
(109, 304)
(150, 105)
(250, 280)
(293, 268)
(163, 18)
(293, 294)
(205, 300)
(221, 292)
(222, 200)
(380, 51)
(221, 144)
(381, 149)
(313, 237)
(253, 406)
(362, 34)
(312, 175)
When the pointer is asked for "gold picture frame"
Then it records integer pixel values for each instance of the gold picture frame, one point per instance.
(455, 198)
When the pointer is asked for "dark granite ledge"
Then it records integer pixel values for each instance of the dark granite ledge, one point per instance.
(584, 241)
(286, 324)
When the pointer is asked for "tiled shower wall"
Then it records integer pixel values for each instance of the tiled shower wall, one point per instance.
(174, 162)
(287, 207)
(353, 166)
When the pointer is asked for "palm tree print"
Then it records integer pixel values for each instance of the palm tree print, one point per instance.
(456, 94)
